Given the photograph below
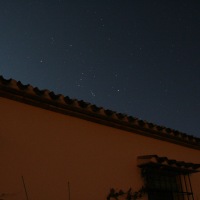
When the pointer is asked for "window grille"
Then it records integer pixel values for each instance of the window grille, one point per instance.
(167, 184)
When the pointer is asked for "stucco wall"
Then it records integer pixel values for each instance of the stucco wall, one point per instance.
(50, 149)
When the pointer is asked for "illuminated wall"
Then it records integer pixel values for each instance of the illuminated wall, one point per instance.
(61, 156)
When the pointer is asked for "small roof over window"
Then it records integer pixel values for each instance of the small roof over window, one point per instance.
(164, 163)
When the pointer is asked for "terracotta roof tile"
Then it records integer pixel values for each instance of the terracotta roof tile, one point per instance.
(68, 101)
(59, 103)
(166, 163)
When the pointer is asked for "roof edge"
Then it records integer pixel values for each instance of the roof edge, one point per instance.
(46, 99)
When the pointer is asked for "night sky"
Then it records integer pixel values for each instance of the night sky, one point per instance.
(137, 57)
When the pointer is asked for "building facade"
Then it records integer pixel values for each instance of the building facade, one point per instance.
(53, 147)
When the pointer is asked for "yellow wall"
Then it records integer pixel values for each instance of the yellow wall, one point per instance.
(50, 149)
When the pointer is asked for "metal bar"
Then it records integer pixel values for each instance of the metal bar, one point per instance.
(24, 187)
(147, 183)
(190, 187)
(180, 183)
(69, 197)
(186, 187)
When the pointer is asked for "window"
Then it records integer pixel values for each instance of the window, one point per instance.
(167, 179)
(167, 185)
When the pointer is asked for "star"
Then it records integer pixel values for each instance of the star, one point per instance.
(92, 93)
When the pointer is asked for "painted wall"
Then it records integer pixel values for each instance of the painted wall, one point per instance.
(51, 150)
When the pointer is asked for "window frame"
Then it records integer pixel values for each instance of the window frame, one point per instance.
(167, 176)
(167, 184)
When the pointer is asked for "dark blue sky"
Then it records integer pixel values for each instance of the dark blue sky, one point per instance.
(137, 57)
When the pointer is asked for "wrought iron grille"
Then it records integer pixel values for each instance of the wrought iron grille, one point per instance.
(168, 185)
